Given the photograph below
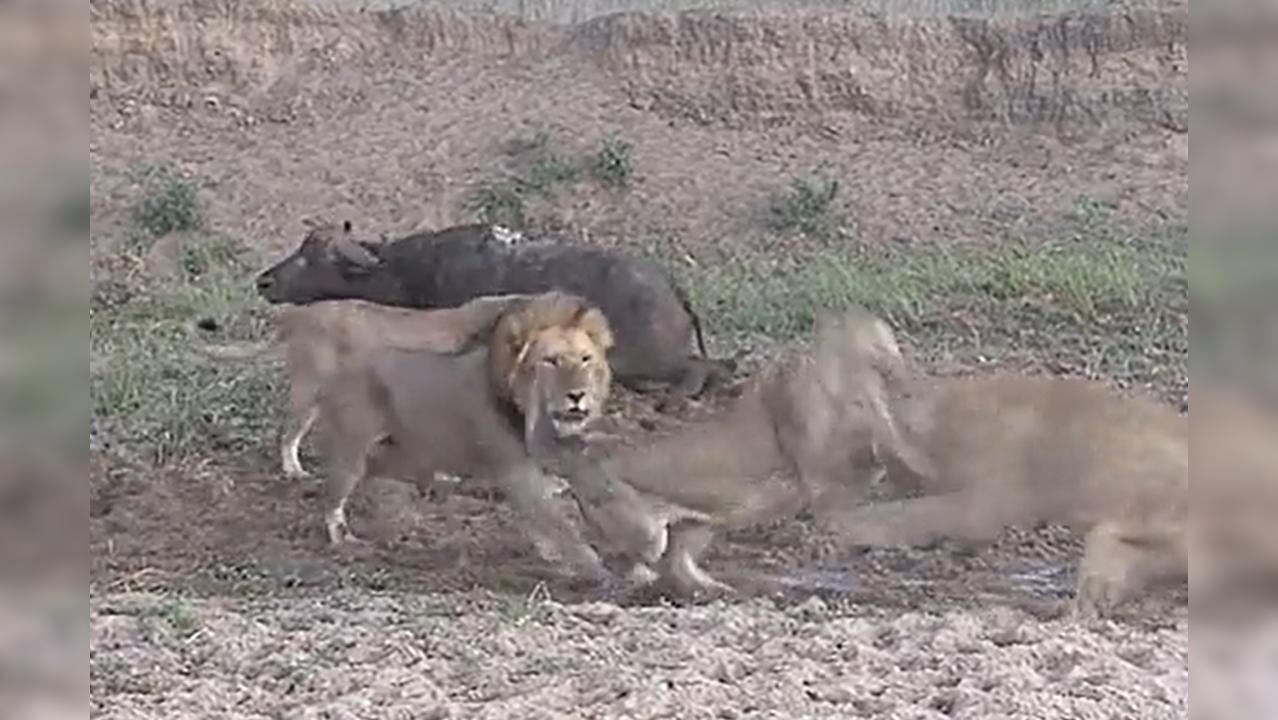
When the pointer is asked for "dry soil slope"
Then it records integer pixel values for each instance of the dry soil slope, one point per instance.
(937, 128)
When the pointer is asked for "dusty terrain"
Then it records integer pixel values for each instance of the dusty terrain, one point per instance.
(213, 593)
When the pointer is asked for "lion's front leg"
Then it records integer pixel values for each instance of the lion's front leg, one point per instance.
(556, 539)
(681, 563)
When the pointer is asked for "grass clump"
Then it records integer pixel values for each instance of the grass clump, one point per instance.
(613, 163)
(149, 391)
(806, 207)
(1105, 302)
(498, 204)
(548, 170)
(169, 204)
(505, 201)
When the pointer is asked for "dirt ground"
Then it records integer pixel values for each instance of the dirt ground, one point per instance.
(452, 618)
(348, 655)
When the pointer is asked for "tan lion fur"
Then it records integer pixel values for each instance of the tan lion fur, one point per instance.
(661, 502)
(1023, 450)
(320, 338)
(472, 414)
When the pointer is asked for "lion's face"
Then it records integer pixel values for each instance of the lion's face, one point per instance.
(554, 361)
(572, 376)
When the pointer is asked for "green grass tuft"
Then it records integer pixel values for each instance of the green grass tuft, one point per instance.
(613, 165)
(1112, 304)
(149, 391)
(806, 207)
(505, 202)
(498, 204)
(169, 204)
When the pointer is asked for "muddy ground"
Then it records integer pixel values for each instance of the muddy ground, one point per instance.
(213, 592)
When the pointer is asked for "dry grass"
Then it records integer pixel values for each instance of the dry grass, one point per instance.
(149, 394)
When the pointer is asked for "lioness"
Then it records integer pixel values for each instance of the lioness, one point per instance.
(1020, 450)
(324, 336)
(543, 369)
(661, 503)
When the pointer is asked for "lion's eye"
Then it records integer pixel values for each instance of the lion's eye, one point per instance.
(551, 360)
(587, 359)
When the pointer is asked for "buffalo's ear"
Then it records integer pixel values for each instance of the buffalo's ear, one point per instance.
(357, 254)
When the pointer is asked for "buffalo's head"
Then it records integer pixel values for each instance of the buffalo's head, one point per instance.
(330, 264)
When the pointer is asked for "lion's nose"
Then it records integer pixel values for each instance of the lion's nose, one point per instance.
(577, 397)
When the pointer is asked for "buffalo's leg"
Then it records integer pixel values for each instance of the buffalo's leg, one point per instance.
(693, 381)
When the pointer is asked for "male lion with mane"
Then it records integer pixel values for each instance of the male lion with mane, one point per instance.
(474, 413)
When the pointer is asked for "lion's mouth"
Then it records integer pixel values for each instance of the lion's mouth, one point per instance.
(570, 422)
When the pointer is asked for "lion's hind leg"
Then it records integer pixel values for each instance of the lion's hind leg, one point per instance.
(346, 468)
(299, 422)
(915, 522)
(354, 430)
(1117, 564)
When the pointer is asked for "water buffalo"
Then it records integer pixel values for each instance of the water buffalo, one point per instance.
(654, 322)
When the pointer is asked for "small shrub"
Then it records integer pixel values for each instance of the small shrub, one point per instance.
(613, 163)
(805, 208)
(206, 255)
(498, 204)
(547, 173)
(170, 204)
(180, 618)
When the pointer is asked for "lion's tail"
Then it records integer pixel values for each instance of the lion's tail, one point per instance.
(238, 352)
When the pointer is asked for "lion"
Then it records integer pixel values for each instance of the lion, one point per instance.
(542, 376)
(982, 453)
(660, 503)
(320, 338)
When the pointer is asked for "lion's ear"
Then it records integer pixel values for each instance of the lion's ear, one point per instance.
(592, 321)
